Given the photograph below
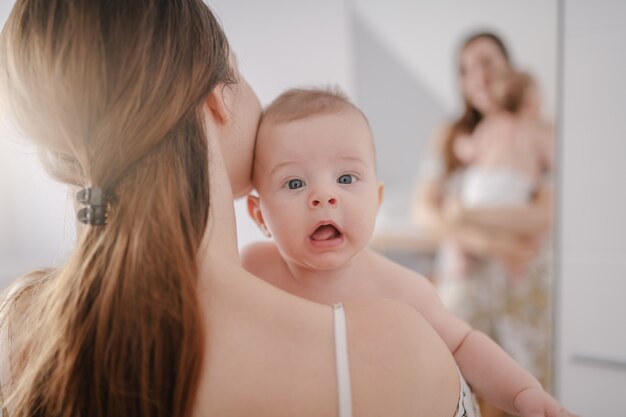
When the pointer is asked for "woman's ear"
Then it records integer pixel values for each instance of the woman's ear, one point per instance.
(254, 210)
(216, 101)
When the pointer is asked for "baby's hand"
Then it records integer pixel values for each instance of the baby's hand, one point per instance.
(535, 402)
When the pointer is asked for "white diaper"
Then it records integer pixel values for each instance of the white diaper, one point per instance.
(494, 187)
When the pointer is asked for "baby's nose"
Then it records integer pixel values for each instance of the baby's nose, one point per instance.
(323, 200)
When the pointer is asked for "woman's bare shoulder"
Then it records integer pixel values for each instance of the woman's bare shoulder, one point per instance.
(257, 253)
(263, 260)
(398, 364)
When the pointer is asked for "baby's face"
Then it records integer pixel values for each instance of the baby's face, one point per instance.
(317, 185)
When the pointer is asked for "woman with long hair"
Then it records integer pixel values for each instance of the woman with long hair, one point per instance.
(512, 308)
(139, 107)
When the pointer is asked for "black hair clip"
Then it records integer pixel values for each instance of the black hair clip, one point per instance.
(95, 214)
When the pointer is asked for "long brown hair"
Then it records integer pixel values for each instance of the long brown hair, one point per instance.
(471, 116)
(112, 93)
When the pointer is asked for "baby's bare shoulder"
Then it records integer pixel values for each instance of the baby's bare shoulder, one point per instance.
(400, 282)
(392, 272)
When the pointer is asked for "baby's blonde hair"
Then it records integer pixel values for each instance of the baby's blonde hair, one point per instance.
(514, 91)
(300, 103)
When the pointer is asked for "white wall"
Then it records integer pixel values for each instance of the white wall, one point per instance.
(286, 43)
(592, 338)
(5, 8)
(426, 34)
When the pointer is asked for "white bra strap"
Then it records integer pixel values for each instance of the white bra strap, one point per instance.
(341, 356)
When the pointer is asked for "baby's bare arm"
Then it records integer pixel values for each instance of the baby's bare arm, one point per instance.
(406, 285)
(496, 377)
(491, 372)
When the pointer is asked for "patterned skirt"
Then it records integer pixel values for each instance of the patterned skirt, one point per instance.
(515, 312)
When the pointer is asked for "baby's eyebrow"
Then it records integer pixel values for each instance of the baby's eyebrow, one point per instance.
(282, 165)
(351, 158)
(359, 160)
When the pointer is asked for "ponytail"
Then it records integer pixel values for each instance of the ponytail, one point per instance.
(115, 102)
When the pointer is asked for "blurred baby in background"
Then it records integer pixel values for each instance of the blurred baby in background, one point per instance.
(507, 157)
(510, 150)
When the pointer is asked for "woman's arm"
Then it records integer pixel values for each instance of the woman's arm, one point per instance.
(511, 234)
(533, 219)
(429, 191)
(427, 211)
(475, 238)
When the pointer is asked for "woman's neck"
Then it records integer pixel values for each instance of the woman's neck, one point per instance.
(219, 243)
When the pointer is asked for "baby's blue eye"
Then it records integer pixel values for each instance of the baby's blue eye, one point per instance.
(345, 179)
(295, 184)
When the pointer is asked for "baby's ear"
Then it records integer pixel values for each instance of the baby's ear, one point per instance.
(254, 210)
(381, 193)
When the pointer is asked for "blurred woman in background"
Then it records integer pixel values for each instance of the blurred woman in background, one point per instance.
(493, 263)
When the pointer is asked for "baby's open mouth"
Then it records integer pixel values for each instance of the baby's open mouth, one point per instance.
(325, 232)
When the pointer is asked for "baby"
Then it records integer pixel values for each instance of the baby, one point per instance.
(318, 197)
(510, 150)
(507, 156)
